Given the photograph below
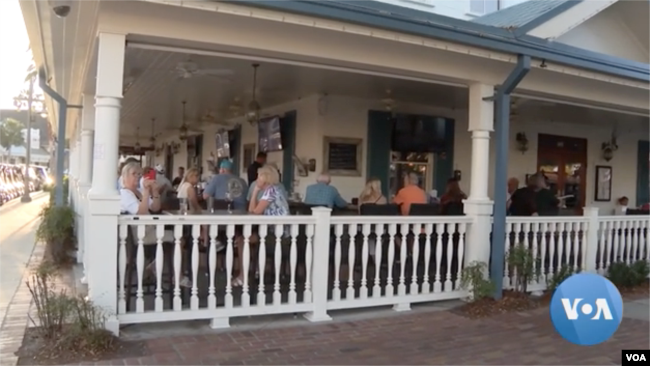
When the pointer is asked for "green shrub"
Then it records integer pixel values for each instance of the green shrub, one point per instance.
(520, 258)
(56, 229)
(70, 323)
(623, 275)
(556, 280)
(473, 279)
(66, 187)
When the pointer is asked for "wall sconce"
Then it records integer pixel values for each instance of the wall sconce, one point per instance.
(522, 142)
(608, 148)
(176, 147)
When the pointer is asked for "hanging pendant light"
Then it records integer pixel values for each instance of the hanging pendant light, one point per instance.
(183, 130)
(152, 139)
(254, 110)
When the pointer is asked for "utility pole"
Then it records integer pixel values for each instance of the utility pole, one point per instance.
(28, 153)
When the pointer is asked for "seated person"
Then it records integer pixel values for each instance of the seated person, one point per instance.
(371, 194)
(181, 174)
(249, 195)
(410, 193)
(452, 201)
(522, 200)
(187, 191)
(324, 194)
(621, 206)
(225, 183)
(134, 201)
(272, 202)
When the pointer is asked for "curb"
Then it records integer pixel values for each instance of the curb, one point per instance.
(16, 319)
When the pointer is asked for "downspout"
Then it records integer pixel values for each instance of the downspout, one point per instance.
(60, 145)
(502, 117)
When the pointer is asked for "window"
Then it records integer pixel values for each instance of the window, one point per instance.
(483, 6)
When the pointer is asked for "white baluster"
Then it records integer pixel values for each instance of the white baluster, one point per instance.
(160, 233)
(392, 231)
(194, 298)
(634, 233)
(293, 261)
(625, 245)
(602, 246)
(277, 295)
(507, 278)
(246, 262)
(543, 243)
(563, 237)
(336, 291)
(261, 260)
(230, 234)
(552, 231)
(121, 302)
(417, 231)
(307, 296)
(449, 229)
(212, 263)
(428, 229)
(616, 233)
(575, 228)
(352, 233)
(401, 287)
(379, 249)
(437, 283)
(178, 234)
(462, 228)
(139, 297)
(363, 290)
(534, 228)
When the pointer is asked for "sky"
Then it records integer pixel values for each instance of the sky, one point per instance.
(15, 58)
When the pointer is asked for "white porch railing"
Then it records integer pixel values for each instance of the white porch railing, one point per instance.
(317, 263)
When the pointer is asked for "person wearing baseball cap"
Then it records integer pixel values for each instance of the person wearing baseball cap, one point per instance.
(226, 185)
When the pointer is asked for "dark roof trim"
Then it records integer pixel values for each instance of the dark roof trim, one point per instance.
(545, 17)
(386, 16)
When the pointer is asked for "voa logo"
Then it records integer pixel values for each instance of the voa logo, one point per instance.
(635, 357)
(586, 309)
(572, 311)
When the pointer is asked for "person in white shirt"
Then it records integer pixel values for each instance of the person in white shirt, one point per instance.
(134, 201)
(621, 206)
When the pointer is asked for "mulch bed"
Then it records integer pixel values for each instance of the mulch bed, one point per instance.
(510, 302)
(637, 292)
(36, 350)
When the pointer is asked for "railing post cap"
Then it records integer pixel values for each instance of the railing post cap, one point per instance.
(590, 210)
(321, 210)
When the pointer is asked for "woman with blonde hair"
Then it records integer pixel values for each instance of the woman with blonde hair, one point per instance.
(372, 193)
(271, 202)
(187, 191)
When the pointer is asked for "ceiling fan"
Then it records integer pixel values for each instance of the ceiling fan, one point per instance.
(188, 69)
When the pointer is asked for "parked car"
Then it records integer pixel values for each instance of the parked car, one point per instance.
(44, 176)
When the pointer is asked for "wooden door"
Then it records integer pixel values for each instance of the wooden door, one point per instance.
(563, 160)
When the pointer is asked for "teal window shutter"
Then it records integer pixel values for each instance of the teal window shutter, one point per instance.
(642, 174)
(443, 164)
(235, 149)
(378, 148)
(288, 131)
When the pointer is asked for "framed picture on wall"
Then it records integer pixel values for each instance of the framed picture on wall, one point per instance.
(603, 183)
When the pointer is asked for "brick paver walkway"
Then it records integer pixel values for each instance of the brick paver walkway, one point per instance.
(432, 338)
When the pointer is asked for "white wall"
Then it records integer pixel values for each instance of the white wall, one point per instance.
(606, 33)
(347, 117)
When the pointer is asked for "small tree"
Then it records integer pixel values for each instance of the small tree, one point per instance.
(11, 134)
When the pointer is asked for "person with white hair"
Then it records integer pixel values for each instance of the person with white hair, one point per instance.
(409, 194)
(324, 194)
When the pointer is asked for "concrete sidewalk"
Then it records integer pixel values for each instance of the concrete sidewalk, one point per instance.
(18, 253)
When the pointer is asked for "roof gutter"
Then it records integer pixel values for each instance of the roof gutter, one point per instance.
(60, 144)
(384, 16)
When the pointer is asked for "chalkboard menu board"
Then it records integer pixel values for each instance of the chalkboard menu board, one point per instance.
(343, 156)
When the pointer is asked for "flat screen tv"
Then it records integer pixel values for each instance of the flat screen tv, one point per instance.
(421, 134)
(222, 139)
(269, 135)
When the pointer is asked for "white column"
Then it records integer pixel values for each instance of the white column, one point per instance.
(591, 245)
(103, 198)
(479, 205)
(85, 175)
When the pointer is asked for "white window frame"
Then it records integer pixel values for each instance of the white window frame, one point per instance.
(494, 5)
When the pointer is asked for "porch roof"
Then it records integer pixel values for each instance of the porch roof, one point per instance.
(386, 16)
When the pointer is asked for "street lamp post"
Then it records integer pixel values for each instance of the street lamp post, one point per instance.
(28, 153)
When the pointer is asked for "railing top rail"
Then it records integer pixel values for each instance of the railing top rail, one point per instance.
(214, 220)
(624, 218)
(546, 219)
(400, 220)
